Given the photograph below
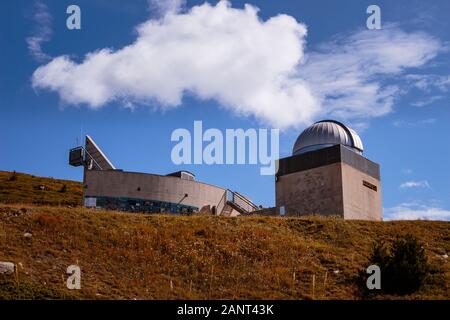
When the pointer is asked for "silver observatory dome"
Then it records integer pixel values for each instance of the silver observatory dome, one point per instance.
(327, 133)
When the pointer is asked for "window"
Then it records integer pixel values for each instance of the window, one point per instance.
(369, 185)
(90, 202)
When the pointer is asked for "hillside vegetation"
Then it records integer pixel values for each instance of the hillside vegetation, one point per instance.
(26, 188)
(137, 256)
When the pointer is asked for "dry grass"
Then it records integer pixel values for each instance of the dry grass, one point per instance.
(125, 255)
(25, 188)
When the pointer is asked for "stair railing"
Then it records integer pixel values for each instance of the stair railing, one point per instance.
(238, 200)
(244, 203)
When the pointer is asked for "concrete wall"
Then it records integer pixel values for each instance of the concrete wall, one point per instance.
(313, 191)
(272, 211)
(113, 183)
(336, 189)
(360, 202)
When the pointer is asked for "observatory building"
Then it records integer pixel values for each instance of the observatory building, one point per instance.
(105, 186)
(328, 175)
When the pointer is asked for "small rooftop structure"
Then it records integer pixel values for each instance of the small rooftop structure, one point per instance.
(183, 174)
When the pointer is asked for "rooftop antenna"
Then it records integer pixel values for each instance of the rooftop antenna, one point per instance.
(80, 139)
(81, 136)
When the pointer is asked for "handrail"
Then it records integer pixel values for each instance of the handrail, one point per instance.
(247, 201)
(243, 203)
(236, 199)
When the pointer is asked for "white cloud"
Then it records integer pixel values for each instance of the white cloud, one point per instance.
(348, 72)
(252, 67)
(415, 184)
(414, 124)
(41, 33)
(163, 7)
(214, 52)
(427, 82)
(428, 101)
(415, 211)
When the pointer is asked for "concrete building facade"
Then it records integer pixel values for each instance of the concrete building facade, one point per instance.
(106, 187)
(327, 175)
(148, 192)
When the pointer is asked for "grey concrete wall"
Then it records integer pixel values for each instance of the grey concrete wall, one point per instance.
(360, 202)
(156, 187)
(313, 191)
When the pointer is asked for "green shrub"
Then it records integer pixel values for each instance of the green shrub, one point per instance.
(403, 265)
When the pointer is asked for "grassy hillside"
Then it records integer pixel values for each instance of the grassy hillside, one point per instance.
(25, 188)
(124, 255)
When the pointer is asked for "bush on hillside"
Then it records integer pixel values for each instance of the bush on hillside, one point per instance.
(403, 265)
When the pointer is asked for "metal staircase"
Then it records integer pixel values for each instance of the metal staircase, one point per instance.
(234, 201)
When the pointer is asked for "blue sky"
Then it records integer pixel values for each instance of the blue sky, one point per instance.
(231, 67)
